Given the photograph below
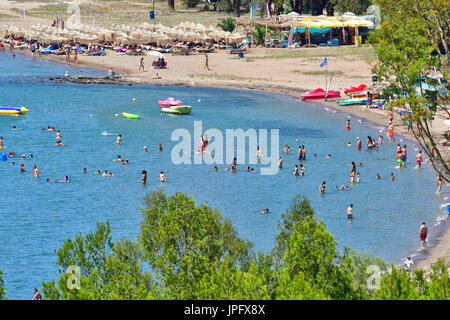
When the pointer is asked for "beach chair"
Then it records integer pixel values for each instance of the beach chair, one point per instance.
(101, 52)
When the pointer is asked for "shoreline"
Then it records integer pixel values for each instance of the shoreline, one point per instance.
(440, 244)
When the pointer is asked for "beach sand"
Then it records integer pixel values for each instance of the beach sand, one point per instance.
(283, 71)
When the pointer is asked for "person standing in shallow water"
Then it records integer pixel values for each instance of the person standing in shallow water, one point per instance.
(423, 231)
(144, 177)
(350, 211)
(347, 126)
(119, 139)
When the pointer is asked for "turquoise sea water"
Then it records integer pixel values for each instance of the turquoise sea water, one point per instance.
(37, 216)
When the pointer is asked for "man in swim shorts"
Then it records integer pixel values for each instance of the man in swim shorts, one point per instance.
(419, 158)
(423, 234)
(358, 144)
(322, 187)
(350, 211)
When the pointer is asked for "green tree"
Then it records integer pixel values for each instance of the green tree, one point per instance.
(106, 270)
(183, 241)
(409, 48)
(2, 287)
(400, 284)
(357, 7)
(227, 24)
(191, 3)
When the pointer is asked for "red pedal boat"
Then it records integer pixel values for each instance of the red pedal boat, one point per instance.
(320, 94)
(359, 88)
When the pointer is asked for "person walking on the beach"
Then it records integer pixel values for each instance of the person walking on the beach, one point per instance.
(141, 65)
(409, 264)
(67, 54)
(423, 234)
(206, 61)
(75, 56)
(37, 295)
(347, 126)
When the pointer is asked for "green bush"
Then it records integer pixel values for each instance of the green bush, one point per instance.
(191, 3)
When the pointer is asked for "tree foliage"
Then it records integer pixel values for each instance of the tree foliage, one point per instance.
(187, 251)
(411, 45)
(357, 7)
(2, 287)
(227, 24)
(418, 285)
(191, 3)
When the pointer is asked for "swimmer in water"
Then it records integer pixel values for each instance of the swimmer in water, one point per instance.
(264, 211)
(322, 187)
(233, 164)
(160, 148)
(58, 135)
(280, 163)
(399, 160)
(328, 156)
(1, 142)
(105, 174)
(360, 164)
(110, 174)
(350, 211)
(216, 168)
(248, 169)
(358, 144)
(162, 177)
(296, 172)
(125, 162)
(392, 176)
(302, 170)
(315, 155)
(119, 139)
(66, 180)
(85, 170)
(59, 143)
(35, 171)
(347, 126)
(97, 172)
(252, 171)
(259, 154)
(378, 176)
(14, 128)
(144, 177)
(358, 177)
(349, 144)
(119, 158)
(342, 187)
(286, 149)
(22, 168)
(145, 148)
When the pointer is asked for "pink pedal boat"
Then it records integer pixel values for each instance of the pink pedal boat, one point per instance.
(169, 102)
(320, 94)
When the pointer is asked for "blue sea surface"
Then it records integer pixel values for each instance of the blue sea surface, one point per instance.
(36, 216)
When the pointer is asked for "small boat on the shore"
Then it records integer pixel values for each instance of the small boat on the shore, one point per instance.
(363, 95)
(13, 110)
(320, 94)
(178, 109)
(169, 102)
(130, 115)
(359, 88)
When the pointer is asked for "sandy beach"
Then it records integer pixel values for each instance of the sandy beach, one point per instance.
(283, 71)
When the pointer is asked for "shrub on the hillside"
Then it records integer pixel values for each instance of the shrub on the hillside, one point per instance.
(191, 3)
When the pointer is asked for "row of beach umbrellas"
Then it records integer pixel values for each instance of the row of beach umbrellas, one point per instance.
(124, 34)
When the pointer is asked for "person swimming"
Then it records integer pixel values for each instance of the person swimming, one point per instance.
(160, 147)
(349, 144)
(59, 143)
(350, 212)
(145, 148)
(144, 177)
(58, 135)
(280, 163)
(252, 171)
(162, 177)
(119, 158)
(119, 139)
(296, 172)
(328, 156)
(264, 211)
(378, 177)
(84, 170)
(302, 170)
(392, 176)
(216, 168)
(322, 187)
